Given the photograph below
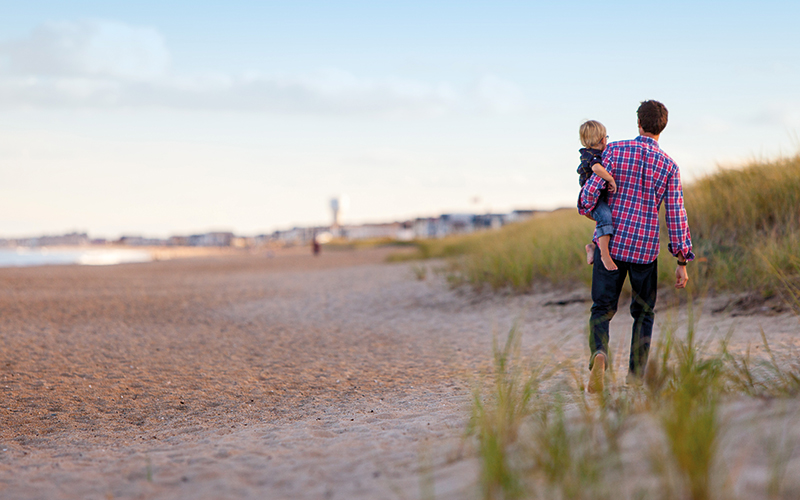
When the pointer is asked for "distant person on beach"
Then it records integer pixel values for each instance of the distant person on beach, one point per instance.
(594, 139)
(645, 178)
(315, 246)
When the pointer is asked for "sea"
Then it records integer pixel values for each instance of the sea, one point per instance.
(25, 257)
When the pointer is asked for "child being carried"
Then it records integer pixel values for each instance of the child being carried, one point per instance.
(594, 141)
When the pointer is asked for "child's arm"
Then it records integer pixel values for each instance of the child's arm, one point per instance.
(601, 172)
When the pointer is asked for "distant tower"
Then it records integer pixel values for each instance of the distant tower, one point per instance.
(336, 212)
(338, 207)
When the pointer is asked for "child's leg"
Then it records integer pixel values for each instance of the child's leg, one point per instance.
(605, 256)
(591, 246)
(605, 228)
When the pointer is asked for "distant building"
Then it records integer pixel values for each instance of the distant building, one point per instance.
(420, 228)
(141, 241)
(457, 223)
(296, 235)
(520, 215)
(70, 239)
(178, 241)
(214, 239)
(372, 231)
(489, 221)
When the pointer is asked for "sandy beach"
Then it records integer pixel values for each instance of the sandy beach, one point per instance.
(282, 376)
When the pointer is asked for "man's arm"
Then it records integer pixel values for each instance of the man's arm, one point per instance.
(590, 194)
(601, 171)
(680, 239)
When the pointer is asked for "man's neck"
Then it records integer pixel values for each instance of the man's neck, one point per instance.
(648, 134)
(652, 136)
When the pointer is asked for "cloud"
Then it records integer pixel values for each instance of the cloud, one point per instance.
(104, 64)
(88, 48)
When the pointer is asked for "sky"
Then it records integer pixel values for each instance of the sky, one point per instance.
(158, 118)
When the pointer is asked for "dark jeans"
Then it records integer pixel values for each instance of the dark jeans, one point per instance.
(606, 287)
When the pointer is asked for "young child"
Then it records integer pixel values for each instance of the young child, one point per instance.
(594, 140)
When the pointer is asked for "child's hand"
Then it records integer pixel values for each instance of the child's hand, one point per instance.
(612, 186)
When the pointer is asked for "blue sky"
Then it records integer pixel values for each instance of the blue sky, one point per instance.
(159, 118)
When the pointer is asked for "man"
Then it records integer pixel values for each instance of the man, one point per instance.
(645, 177)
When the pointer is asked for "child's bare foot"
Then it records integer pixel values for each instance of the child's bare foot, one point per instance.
(608, 262)
(590, 253)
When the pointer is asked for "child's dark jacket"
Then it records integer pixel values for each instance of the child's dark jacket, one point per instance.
(589, 156)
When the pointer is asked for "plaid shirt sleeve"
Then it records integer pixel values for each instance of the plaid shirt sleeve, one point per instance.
(680, 240)
(590, 193)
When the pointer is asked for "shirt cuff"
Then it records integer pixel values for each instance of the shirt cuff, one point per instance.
(685, 252)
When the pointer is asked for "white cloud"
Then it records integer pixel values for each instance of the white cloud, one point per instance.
(89, 48)
(103, 64)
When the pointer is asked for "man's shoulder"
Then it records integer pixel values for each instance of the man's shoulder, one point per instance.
(616, 149)
(640, 145)
(663, 159)
(621, 145)
(626, 143)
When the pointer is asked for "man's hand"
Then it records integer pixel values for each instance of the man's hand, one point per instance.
(612, 186)
(681, 277)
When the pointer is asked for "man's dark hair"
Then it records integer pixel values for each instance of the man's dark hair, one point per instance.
(652, 117)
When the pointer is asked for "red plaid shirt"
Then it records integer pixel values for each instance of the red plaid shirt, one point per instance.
(645, 177)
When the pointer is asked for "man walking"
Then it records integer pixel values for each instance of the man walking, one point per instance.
(645, 178)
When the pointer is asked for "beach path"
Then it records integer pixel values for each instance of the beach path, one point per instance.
(256, 376)
(235, 377)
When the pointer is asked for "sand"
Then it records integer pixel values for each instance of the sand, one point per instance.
(281, 376)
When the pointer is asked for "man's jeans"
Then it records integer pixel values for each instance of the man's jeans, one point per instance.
(606, 287)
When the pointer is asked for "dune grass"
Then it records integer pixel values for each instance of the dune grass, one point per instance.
(745, 226)
(536, 439)
(747, 223)
(688, 401)
(548, 247)
(497, 424)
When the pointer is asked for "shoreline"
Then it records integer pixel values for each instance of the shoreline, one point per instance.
(100, 255)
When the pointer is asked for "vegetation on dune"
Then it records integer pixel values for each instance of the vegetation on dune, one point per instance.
(537, 434)
(746, 222)
(680, 433)
(745, 227)
(548, 247)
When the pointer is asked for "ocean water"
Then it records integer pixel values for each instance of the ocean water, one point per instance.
(24, 257)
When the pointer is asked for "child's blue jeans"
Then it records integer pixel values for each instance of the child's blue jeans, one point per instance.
(602, 217)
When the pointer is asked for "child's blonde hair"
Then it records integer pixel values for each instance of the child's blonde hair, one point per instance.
(592, 134)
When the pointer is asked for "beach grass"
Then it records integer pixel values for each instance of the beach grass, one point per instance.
(687, 403)
(548, 247)
(745, 225)
(496, 423)
(539, 439)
